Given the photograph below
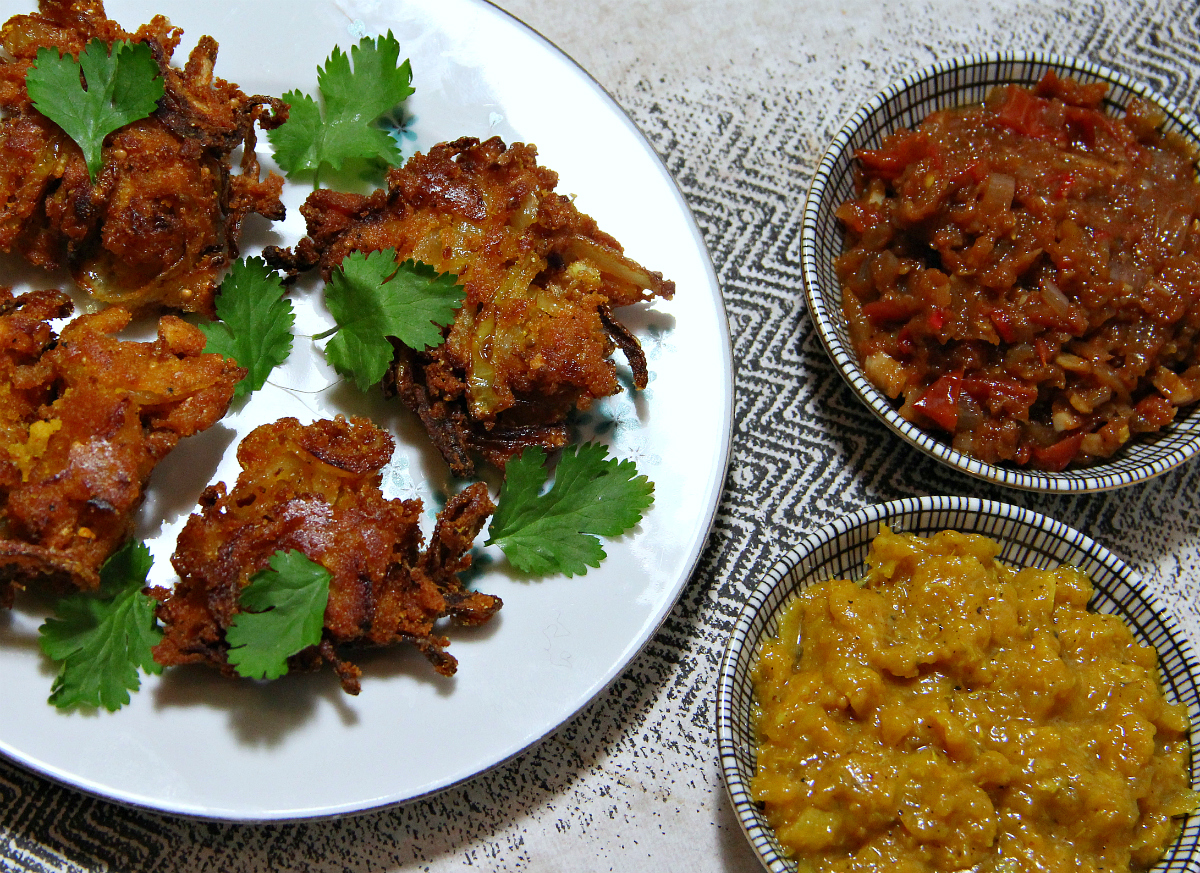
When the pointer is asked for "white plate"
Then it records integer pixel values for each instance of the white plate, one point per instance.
(194, 743)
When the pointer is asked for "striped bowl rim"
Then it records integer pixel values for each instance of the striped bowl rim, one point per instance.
(1027, 539)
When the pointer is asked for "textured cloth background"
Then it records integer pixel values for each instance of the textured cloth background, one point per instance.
(740, 99)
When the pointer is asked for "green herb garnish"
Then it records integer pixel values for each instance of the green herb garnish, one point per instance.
(354, 100)
(255, 326)
(121, 87)
(556, 532)
(283, 613)
(372, 298)
(102, 641)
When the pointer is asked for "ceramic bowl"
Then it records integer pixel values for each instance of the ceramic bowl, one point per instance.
(1028, 539)
(905, 104)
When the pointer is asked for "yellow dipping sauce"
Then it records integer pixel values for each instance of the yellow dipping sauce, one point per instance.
(952, 713)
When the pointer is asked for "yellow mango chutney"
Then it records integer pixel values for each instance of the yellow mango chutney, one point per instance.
(951, 713)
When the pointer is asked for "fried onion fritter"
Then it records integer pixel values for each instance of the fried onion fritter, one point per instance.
(316, 489)
(83, 422)
(535, 335)
(163, 218)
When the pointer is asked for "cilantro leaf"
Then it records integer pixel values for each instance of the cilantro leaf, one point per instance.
(553, 532)
(371, 299)
(122, 87)
(285, 613)
(354, 100)
(103, 641)
(255, 327)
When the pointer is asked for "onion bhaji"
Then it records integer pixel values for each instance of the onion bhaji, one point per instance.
(163, 218)
(84, 419)
(534, 338)
(316, 489)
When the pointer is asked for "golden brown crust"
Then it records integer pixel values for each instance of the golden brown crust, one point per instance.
(163, 217)
(535, 335)
(84, 419)
(315, 488)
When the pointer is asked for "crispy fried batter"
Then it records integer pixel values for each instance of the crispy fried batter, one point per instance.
(533, 340)
(83, 422)
(163, 218)
(315, 488)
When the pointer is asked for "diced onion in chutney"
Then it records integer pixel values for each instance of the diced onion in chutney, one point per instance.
(1036, 223)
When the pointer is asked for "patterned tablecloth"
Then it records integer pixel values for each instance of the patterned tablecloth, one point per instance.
(739, 98)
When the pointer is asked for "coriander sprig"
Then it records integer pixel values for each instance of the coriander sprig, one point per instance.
(372, 298)
(283, 612)
(255, 322)
(354, 98)
(122, 87)
(556, 532)
(102, 640)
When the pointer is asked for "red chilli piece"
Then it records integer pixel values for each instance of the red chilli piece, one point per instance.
(889, 309)
(1045, 353)
(1065, 181)
(939, 403)
(1025, 114)
(899, 150)
(1003, 325)
(1056, 457)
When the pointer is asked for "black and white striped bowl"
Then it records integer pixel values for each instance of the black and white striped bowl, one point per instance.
(1028, 539)
(905, 104)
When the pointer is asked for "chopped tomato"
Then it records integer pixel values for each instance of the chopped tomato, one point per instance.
(939, 403)
(1003, 325)
(899, 150)
(1070, 91)
(977, 171)
(1056, 457)
(1024, 113)
(861, 217)
(1085, 123)
(1155, 411)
